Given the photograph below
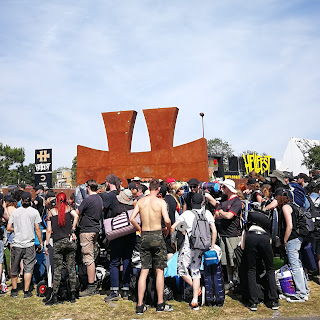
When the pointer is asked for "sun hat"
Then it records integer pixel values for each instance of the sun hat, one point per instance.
(230, 184)
(279, 175)
(125, 197)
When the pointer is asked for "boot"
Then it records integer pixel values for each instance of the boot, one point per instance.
(48, 294)
(89, 291)
(52, 300)
(73, 297)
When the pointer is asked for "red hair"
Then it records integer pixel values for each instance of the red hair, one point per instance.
(61, 207)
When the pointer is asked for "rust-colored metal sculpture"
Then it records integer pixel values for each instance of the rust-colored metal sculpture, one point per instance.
(182, 162)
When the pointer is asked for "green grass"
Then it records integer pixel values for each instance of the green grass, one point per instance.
(94, 308)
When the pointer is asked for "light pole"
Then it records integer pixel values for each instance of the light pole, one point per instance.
(202, 115)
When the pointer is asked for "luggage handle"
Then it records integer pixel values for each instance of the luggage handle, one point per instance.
(285, 267)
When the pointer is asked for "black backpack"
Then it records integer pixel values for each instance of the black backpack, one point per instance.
(315, 214)
(304, 223)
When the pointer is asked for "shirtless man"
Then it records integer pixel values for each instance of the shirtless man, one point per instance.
(153, 250)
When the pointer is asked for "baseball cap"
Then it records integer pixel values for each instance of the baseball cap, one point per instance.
(132, 185)
(303, 176)
(39, 187)
(136, 179)
(251, 181)
(169, 180)
(196, 201)
(26, 196)
(193, 181)
(8, 198)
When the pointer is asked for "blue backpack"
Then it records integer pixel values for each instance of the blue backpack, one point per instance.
(297, 195)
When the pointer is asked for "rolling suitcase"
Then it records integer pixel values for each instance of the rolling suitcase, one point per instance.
(308, 257)
(214, 285)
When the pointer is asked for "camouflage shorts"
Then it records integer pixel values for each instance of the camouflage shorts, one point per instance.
(153, 251)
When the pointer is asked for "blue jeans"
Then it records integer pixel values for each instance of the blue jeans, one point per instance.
(298, 275)
(121, 249)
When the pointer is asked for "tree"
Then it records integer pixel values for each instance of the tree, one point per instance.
(10, 158)
(218, 146)
(312, 158)
(74, 171)
(252, 152)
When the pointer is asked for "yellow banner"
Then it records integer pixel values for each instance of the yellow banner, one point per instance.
(260, 164)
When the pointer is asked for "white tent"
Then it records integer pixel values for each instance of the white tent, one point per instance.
(294, 155)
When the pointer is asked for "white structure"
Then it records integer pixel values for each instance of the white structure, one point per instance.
(294, 155)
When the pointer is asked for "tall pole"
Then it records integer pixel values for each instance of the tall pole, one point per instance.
(202, 115)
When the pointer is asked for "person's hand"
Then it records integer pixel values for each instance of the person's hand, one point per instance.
(46, 250)
(39, 248)
(74, 237)
(165, 231)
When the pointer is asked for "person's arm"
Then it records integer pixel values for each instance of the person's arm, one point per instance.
(287, 210)
(39, 235)
(210, 199)
(272, 205)
(133, 217)
(259, 198)
(5, 215)
(213, 234)
(166, 218)
(48, 233)
(74, 224)
(243, 239)
(10, 227)
(224, 215)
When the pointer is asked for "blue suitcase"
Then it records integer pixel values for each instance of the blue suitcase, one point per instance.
(308, 257)
(214, 285)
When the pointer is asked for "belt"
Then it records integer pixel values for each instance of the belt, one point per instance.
(257, 232)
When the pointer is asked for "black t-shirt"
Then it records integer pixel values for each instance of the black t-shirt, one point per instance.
(110, 201)
(91, 212)
(254, 194)
(171, 207)
(230, 227)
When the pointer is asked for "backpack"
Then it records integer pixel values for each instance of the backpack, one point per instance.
(297, 194)
(80, 194)
(304, 223)
(200, 237)
(315, 214)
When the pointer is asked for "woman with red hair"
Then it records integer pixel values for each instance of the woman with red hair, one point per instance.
(62, 229)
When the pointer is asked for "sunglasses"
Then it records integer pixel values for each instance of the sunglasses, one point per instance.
(193, 187)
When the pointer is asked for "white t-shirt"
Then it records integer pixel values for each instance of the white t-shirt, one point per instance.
(188, 217)
(24, 221)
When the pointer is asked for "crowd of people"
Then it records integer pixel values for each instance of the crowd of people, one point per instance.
(161, 208)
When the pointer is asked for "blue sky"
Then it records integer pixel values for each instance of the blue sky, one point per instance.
(251, 66)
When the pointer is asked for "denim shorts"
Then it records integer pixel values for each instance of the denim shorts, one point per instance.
(1, 252)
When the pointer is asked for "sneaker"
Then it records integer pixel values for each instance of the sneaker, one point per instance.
(2, 293)
(194, 306)
(295, 299)
(141, 309)
(253, 307)
(229, 285)
(125, 294)
(27, 295)
(113, 296)
(274, 305)
(89, 291)
(164, 307)
(14, 294)
(306, 298)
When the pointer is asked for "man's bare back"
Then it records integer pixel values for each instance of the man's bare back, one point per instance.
(150, 209)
